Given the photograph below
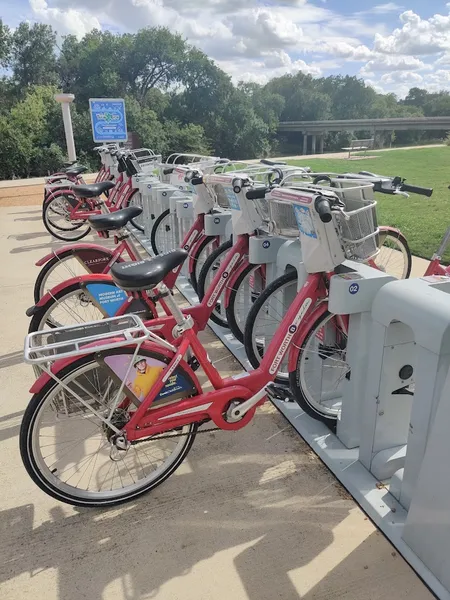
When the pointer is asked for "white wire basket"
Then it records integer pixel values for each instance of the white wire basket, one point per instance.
(355, 224)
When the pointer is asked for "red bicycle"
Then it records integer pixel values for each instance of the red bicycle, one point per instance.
(66, 210)
(119, 409)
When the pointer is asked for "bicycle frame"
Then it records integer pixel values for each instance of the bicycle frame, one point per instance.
(435, 267)
(249, 388)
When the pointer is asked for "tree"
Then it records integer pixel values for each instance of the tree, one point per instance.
(153, 58)
(5, 41)
(32, 57)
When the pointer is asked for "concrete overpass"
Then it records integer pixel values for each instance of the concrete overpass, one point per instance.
(317, 129)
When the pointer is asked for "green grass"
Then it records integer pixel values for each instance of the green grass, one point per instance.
(422, 220)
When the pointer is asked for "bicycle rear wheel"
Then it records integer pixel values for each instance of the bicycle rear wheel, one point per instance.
(65, 446)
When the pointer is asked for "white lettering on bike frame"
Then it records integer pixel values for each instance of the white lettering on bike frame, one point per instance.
(223, 280)
(171, 369)
(289, 335)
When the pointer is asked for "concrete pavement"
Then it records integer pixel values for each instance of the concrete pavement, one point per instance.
(252, 515)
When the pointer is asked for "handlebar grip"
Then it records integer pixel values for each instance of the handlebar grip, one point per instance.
(414, 189)
(167, 171)
(256, 193)
(197, 180)
(323, 209)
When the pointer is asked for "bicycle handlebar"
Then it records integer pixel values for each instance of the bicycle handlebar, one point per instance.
(414, 189)
(197, 180)
(257, 193)
(323, 209)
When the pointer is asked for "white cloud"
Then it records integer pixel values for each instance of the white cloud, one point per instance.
(383, 62)
(64, 21)
(253, 40)
(416, 36)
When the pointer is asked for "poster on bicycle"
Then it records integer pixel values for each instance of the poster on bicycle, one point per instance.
(108, 119)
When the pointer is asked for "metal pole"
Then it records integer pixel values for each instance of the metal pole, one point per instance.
(65, 100)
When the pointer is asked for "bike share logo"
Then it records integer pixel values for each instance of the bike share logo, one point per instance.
(216, 220)
(149, 186)
(219, 287)
(185, 205)
(353, 289)
(289, 335)
(266, 244)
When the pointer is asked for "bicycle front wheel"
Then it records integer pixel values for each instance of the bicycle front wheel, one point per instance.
(66, 447)
(57, 221)
(245, 291)
(164, 234)
(322, 368)
(207, 274)
(394, 257)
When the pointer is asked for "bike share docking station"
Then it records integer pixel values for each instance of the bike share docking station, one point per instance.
(391, 443)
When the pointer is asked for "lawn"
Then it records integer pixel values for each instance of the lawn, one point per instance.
(422, 220)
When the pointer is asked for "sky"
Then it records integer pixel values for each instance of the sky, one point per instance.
(392, 46)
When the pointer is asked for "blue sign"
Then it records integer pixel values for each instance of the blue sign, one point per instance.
(109, 297)
(354, 288)
(108, 119)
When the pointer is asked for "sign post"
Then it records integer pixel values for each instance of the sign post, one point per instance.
(108, 119)
(65, 100)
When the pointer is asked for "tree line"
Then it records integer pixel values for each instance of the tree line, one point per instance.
(177, 99)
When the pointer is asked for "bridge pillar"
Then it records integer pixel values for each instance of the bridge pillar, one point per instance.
(305, 143)
(321, 143)
(313, 145)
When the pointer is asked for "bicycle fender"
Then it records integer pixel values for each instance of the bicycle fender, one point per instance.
(74, 249)
(302, 332)
(59, 365)
(88, 278)
(243, 264)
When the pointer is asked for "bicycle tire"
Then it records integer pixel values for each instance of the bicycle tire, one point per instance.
(45, 481)
(400, 238)
(298, 388)
(156, 225)
(52, 264)
(232, 320)
(223, 249)
(255, 355)
(59, 236)
(194, 274)
(133, 221)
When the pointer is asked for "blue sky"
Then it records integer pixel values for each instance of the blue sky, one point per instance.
(392, 45)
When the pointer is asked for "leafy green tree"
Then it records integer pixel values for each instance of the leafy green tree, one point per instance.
(32, 55)
(5, 41)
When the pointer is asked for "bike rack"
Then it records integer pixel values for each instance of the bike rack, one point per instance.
(390, 447)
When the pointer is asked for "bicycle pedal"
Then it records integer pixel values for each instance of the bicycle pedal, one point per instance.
(193, 363)
(279, 392)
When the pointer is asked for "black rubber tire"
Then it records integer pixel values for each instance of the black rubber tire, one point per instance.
(230, 311)
(297, 390)
(132, 221)
(255, 361)
(37, 318)
(155, 226)
(49, 266)
(45, 209)
(193, 274)
(222, 249)
(26, 431)
(404, 242)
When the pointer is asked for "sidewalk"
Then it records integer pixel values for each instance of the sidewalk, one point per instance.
(252, 515)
